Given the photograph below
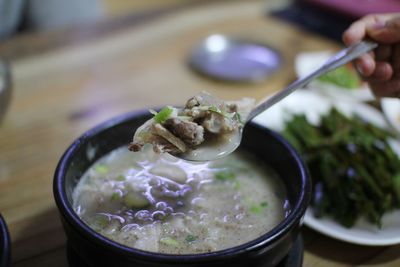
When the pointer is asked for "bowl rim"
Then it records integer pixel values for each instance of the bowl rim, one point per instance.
(66, 210)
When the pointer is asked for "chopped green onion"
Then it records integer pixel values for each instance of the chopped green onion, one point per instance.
(147, 146)
(102, 169)
(121, 178)
(224, 176)
(88, 180)
(215, 109)
(135, 200)
(227, 175)
(238, 118)
(169, 241)
(258, 208)
(163, 115)
(221, 112)
(100, 222)
(204, 107)
(185, 118)
(236, 184)
(152, 111)
(115, 196)
(191, 238)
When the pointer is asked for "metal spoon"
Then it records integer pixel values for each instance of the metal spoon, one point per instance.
(208, 152)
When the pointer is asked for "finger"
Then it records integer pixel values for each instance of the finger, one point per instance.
(383, 72)
(395, 62)
(395, 94)
(365, 65)
(386, 89)
(386, 32)
(358, 30)
(383, 53)
(355, 33)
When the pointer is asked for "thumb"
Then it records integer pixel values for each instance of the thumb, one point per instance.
(387, 33)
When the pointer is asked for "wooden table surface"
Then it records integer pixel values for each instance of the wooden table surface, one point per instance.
(60, 93)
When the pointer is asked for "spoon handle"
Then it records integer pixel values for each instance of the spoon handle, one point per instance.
(342, 57)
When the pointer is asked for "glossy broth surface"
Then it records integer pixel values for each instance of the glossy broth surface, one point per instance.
(163, 204)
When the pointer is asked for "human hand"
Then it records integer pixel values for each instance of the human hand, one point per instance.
(380, 68)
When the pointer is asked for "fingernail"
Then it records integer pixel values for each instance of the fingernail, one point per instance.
(359, 69)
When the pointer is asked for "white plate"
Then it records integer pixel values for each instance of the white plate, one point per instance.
(391, 109)
(307, 62)
(314, 105)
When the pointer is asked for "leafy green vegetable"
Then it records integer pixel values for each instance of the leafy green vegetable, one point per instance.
(101, 169)
(355, 172)
(190, 238)
(397, 183)
(343, 77)
(163, 115)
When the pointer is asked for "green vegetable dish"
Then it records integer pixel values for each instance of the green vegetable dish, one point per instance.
(355, 172)
(344, 77)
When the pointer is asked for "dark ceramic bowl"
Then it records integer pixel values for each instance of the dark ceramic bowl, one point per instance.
(5, 247)
(97, 250)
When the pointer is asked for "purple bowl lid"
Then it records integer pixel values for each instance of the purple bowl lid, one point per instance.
(234, 60)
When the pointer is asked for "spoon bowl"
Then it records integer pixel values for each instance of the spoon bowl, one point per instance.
(210, 150)
(215, 149)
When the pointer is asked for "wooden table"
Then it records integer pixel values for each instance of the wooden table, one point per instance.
(60, 93)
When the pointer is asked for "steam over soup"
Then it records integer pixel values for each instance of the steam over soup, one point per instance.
(158, 203)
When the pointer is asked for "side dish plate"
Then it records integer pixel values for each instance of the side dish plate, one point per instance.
(391, 110)
(307, 62)
(314, 105)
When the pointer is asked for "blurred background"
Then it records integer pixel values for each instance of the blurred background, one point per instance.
(87, 18)
(18, 16)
